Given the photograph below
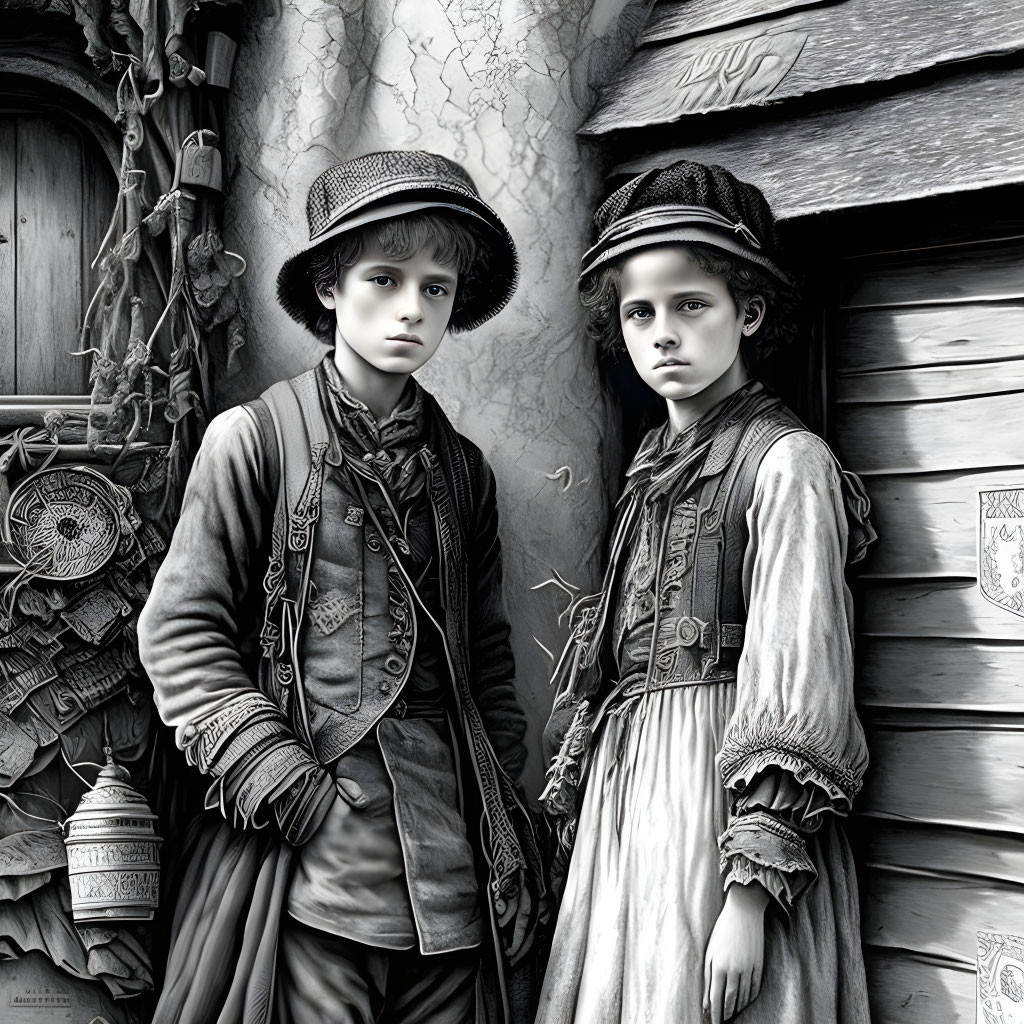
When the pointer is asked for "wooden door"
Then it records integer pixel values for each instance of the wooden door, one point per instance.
(57, 193)
(926, 402)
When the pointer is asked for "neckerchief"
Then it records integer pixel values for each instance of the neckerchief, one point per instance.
(665, 463)
(391, 445)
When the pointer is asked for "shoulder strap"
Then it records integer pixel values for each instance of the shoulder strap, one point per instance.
(738, 498)
(302, 438)
(721, 527)
(455, 462)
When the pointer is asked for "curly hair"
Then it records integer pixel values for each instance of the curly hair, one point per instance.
(453, 240)
(600, 298)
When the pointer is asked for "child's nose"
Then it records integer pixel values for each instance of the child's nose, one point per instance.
(665, 333)
(410, 309)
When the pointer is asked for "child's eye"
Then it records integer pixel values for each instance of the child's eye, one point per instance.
(694, 305)
(383, 280)
(436, 291)
(639, 314)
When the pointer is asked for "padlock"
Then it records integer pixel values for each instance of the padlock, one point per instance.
(220, 59)
(199, 163)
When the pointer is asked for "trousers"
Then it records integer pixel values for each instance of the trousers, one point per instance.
(326, 979)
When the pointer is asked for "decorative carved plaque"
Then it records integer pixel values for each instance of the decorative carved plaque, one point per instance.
(735, 73)
(1000, 978)
(1001, 548)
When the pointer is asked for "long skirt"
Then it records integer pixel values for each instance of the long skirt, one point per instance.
(644, 886)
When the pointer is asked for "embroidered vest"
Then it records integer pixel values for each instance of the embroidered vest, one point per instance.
(309, 692)
(708, 620)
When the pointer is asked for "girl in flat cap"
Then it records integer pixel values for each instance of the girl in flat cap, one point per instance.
(705, 704)
(327, 636)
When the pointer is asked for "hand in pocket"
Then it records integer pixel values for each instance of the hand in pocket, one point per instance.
(351, 792)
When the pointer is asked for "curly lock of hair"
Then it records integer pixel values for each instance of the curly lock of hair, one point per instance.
(600, 298)
(454, 241)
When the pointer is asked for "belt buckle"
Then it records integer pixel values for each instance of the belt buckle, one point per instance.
(689, 630)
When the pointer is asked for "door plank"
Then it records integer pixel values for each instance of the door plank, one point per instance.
(919, 437)
(99, 194)
(927, 523)
(897, 337)
(929, 673)
(8, 252)
(49, 257)
(965, 777)
(944, 274)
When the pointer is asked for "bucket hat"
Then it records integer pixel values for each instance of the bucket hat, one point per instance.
(686, 202)
(396, 183)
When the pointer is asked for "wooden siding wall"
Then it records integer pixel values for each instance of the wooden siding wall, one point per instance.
(750, 52)
(57, 193)
(927, 403)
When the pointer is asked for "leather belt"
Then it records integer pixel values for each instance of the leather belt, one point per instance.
(690, 632)
(637, 688)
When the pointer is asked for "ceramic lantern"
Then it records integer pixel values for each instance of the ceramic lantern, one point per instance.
(113, 852)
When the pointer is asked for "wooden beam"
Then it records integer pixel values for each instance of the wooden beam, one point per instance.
(931, 382)
(940, 674)
(927, 523)
(808, 51)
(961, 777)
(937, 915)
(964, 132)
(895, 338)
(908, 988)
(933, 848)
(939, 609)
(917, 437)
(677, 19)
(985, 272)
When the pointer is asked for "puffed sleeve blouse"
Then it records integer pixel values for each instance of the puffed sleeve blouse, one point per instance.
(794, 750)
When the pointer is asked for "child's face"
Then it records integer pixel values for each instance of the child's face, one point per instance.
(681, 325)
(393, 313)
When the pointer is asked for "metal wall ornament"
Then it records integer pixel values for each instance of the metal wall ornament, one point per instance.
(113, 852)
(66, 523)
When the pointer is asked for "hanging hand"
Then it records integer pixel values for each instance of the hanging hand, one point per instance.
(734, 958)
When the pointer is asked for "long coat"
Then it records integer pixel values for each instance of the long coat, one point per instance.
(196, 642)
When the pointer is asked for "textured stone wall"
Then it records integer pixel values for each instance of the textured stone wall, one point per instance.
(501, 86)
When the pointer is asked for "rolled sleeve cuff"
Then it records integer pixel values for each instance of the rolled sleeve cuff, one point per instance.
(263, 774)
(757, 847)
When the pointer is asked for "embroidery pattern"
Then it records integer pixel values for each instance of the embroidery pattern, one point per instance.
(330, 611)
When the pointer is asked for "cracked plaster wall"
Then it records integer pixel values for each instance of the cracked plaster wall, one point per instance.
(501, 86)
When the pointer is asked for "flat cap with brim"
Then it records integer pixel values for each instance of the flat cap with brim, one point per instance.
(685, 203)
(397, 183)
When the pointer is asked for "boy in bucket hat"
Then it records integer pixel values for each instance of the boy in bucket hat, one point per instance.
(705, 698)
(327, 636)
